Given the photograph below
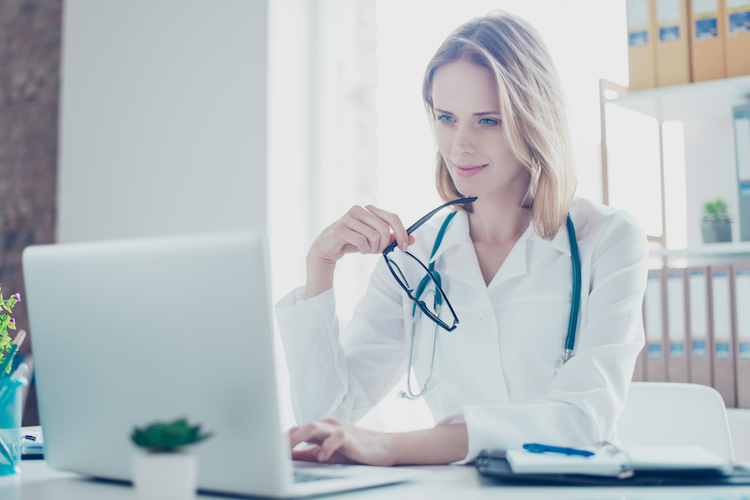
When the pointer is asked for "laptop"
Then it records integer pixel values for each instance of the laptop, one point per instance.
(131, 332)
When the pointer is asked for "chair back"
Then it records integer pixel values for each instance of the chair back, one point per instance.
(667, 413)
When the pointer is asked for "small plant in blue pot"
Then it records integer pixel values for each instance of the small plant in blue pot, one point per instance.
(716, 226)
(12, 380)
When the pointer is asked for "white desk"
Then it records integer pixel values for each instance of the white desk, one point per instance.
(39, 482)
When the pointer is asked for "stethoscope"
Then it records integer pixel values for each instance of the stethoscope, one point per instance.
(432, 382)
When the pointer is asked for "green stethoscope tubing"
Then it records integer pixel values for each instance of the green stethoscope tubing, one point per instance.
(572, 324)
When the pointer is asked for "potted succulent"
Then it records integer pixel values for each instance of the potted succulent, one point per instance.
(166, 471)
(716, 226)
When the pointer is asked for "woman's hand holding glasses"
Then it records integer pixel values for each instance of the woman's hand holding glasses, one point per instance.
(366, 230)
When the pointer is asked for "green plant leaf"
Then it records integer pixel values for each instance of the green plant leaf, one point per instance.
(716, 211)
(165, 437)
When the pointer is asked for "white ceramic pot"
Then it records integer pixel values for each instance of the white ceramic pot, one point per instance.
(165, 476)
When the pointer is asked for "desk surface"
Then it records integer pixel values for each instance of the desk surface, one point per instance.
(39, 482)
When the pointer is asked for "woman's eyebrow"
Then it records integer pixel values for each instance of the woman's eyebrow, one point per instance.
(483, 113)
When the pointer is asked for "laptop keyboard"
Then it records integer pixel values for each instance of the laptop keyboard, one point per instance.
(301, 477)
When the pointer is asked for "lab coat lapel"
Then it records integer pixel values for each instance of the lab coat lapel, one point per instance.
(561, 241)
(460, 258)
(463, 264)
(515, 263)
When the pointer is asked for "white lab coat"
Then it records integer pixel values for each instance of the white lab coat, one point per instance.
(496, 370)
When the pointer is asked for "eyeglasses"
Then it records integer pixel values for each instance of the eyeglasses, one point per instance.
(430, 276)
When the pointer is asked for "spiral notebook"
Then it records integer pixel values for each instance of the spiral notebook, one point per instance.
(611, 466)
(609, 460)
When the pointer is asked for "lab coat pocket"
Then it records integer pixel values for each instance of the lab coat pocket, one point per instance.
(532, 336)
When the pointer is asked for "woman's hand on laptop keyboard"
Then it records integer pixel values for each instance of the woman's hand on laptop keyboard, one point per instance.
(336, 441)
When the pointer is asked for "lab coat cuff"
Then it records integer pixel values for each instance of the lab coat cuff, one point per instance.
(294, 303)
(479, 428)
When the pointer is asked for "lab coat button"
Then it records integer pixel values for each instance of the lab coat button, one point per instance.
(485, 318)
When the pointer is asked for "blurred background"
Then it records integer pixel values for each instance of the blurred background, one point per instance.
(125, 119)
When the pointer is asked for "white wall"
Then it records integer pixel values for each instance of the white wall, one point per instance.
(163, 118)
(710, 172)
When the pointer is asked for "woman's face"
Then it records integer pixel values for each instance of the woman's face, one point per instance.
(469, 132)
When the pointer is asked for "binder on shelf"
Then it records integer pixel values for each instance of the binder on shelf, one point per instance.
(737, 37)
(656, 357)
(741, 126)
(677, 363)
(721, 321)
(742, 330)
(641, 18)
(699, 327)
(707, 59)
(672, 43)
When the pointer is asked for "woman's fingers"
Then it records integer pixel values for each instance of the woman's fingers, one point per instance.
(311, 455)
(331, 444)
(312, 432)
(369, 230)
(369, 218)
(374, 236)
(363, 230)
(304, 433)
(336, 441)
(328, 435)
(306, 455)
(393, 221)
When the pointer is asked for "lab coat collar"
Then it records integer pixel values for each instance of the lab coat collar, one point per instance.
(561, 241)
(457, 244)
(464, 265)
(456, 235)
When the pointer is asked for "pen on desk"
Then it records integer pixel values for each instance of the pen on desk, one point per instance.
(5, 366)
(543, 448)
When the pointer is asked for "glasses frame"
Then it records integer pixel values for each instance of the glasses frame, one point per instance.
(403, 282)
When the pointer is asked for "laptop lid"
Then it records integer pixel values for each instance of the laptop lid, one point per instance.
(126, 333)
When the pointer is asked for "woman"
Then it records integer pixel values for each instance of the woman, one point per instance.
(506, 265)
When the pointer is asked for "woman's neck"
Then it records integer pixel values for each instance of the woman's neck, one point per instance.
(498, 219)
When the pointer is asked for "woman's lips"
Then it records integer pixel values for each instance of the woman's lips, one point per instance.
(466, 171)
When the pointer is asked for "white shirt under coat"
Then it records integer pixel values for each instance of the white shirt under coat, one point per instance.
(497, 368)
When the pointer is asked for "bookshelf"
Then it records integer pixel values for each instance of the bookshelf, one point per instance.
(705, 109)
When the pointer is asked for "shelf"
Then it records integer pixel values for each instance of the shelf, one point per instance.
(709, 250)
(705, 101)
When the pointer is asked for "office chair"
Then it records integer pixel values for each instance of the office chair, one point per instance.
(661, 413)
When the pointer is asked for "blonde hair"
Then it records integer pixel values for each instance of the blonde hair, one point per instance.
(532, 106)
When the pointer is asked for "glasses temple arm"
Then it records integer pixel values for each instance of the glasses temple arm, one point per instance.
(427, 217)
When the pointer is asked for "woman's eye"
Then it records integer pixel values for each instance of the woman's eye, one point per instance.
(445, 118)
(489, 122)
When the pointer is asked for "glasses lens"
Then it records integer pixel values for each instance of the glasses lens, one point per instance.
(396, 272)
(427, 277)
(430, 286)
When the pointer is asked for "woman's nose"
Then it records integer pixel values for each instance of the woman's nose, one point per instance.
(462, 141)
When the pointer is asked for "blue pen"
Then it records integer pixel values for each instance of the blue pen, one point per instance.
(543, 448)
